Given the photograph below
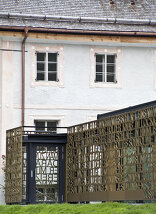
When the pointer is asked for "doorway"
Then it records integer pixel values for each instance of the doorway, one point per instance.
(44, 169)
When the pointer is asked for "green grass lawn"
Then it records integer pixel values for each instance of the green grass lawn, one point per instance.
(106, 208)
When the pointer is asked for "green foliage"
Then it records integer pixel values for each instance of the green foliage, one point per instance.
(106, 208)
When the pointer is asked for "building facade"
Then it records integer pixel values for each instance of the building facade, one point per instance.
(78, 60)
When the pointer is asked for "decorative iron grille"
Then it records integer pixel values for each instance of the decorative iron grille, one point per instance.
(113, 158)
(13, 191)
(47, 173)
(34, 171)
(24, 172)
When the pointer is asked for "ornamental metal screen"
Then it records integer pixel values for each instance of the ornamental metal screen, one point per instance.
(113, 158)
(13, 188)
(47, 173)
(35, 163)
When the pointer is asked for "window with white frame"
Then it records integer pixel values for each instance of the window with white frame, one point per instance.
(47, 66)
(105, 68)
(46, 125)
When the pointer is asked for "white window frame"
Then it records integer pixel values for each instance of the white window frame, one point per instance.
(46, 66)
(104, 67)
(60, 59)
(105, 51)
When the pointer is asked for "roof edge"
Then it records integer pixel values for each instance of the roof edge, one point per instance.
(77, 31)
(7, 15)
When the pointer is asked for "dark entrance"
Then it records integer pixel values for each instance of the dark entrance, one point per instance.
(44, 168)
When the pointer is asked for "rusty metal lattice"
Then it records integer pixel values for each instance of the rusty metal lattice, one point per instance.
(13, 191)
(113, 158)
(24, 172)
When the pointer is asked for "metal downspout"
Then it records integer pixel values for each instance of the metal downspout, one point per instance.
(23, 76)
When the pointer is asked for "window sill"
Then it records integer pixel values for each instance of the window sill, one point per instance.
(105, 85)
(47, 83)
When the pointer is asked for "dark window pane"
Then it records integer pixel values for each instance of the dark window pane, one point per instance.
(40, 125)
(40, 76)
(40, 66)
(110, 73)
(52, 76)
(52, 57)
(51, 123)
(110, 58)
(98, 78)
(110, 78)
(41, 56)
(99, 68)
(52, 67)
(51, 126)
(100, 58)
(111, 69)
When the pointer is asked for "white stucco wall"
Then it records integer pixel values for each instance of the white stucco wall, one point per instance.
(76, 101)
(76, 96)
(7, 90)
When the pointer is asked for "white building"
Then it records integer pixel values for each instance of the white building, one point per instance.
(82, 58)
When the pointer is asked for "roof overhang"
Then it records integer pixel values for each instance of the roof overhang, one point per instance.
(78, 31)
(77, 25)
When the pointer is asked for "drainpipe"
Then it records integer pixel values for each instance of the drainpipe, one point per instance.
(23, 75)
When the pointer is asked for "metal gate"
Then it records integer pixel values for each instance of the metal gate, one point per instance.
(37, 172)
